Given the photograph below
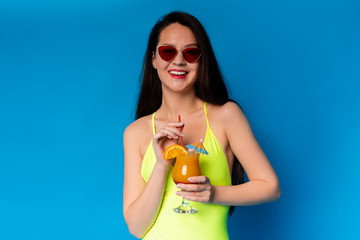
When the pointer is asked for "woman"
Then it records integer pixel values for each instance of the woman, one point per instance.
(181, 77)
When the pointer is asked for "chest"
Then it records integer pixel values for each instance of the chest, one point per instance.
(194, 129)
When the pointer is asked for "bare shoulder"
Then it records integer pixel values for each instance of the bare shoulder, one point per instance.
(230, 108)
(227, 113)
(138, 128)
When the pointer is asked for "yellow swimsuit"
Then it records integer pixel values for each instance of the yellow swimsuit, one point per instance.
(210, 222)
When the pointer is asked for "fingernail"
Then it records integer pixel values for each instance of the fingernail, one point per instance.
(179, 185)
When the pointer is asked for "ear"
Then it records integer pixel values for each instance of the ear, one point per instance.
(153, 60)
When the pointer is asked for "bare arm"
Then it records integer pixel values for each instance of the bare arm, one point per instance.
(142, 200)
(263, 185)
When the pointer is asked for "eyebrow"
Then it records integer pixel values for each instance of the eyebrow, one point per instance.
(191, 44)
(187, 45)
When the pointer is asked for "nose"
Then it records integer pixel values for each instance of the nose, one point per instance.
(179, 59)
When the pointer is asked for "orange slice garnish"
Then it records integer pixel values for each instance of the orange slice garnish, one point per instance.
(174, 151)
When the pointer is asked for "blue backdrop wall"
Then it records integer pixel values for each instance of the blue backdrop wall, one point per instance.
(68, 84)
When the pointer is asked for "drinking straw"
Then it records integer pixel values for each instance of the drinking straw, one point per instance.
(181, 138)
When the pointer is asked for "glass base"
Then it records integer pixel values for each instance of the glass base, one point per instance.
(185, 208)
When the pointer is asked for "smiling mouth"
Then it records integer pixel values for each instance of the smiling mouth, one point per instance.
(178, 73)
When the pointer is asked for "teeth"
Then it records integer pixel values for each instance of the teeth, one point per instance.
(177, 73)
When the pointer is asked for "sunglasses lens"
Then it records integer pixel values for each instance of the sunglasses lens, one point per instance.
(191, 54)
(167, 53)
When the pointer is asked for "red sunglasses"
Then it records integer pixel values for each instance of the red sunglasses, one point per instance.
(190, 54)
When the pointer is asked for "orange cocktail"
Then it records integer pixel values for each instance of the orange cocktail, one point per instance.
(186, 166)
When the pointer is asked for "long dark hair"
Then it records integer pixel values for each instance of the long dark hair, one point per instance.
(209, 85)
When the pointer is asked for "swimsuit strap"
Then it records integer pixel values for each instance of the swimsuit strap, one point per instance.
(153, 122)
(207, 120)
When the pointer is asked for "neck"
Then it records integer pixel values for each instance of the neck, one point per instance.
(177, 104)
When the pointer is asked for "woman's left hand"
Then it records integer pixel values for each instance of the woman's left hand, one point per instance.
(199, 190)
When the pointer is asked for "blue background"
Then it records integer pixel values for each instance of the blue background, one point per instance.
(69, 75)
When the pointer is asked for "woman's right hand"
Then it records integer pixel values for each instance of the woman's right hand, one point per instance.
(167, 135)
(142, 199)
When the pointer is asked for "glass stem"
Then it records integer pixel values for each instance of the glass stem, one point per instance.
(184, 201)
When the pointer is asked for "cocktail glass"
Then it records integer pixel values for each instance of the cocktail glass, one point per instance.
(186, 166)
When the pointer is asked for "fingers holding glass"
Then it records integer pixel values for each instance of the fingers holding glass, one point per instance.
(200, 190)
